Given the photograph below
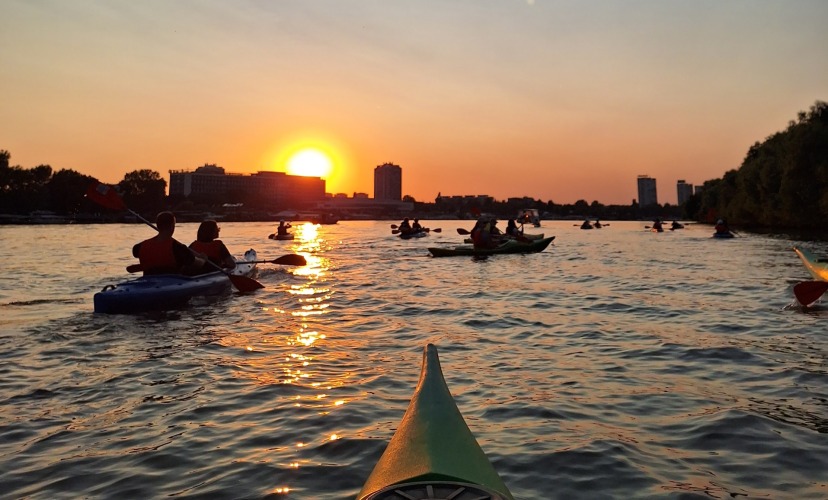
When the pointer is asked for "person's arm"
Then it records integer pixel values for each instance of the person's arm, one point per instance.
(227, 260)
(189, 260)
(136, 250)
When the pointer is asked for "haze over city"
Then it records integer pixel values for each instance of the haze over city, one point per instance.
(550, 99)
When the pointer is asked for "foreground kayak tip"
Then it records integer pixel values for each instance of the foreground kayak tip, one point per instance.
(433, 454)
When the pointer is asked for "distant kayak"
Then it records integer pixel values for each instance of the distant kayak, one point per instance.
(433, 453)
(723, 235)
(414, 234)
(288, 236)
(511, 246)
(527, 236)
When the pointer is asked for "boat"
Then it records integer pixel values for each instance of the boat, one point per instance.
(527, 236)
(816, 266)
(414, 234)
(723, 235)
(433, 453)
(511, 246)
(167, 291)
(529, 216)
(275, 236)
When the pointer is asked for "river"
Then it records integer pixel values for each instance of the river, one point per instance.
(618, 363)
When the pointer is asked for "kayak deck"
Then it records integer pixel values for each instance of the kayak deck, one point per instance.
(817, 267)
(433, 454)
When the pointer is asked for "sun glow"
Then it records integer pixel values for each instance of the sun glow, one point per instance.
(310, 162)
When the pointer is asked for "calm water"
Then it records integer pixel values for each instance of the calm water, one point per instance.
(618, 363)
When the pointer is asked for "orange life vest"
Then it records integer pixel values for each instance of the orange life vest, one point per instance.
(212, 249)
(157, 257)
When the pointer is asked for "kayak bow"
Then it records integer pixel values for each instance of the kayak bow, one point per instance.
(433, 454)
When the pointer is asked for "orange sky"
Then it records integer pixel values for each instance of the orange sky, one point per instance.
(557, 100)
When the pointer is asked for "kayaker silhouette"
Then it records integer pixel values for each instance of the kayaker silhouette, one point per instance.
(162, 254)
(214, 249)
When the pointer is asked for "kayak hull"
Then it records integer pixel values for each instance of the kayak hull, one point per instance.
(817, 267)
(723, 235)
(510, 247)
(417, 234)
(281, 237)
(166, 291)
(433, 450)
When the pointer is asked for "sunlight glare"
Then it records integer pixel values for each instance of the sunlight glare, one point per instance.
(310, 162)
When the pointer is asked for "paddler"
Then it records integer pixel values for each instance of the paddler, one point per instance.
(162, 254)
(214, 249)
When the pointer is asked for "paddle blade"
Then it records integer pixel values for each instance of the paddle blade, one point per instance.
(462, 231)
(106, 196)
(393, 226)
(438, 230)
(395, 231)
(134, 268)
(291, 260)
(809, 292)
(244, 284)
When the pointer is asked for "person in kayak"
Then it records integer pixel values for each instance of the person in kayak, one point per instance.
(212, 248)
(282, 230)
(676, 225)
(416, 227)
(162, 254)
(405, 227)
(722, 227)
(512, 229)
(586, 224)
(486, 234)
(657, 225)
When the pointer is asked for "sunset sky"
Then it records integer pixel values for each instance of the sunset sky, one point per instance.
(557, 100)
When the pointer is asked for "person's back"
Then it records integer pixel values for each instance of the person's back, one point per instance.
(212, 248)
(162, 254)
(721, 227)
(282, 230)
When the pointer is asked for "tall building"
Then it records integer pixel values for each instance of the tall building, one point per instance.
(684, 191)
(388, 182)
(647, 191)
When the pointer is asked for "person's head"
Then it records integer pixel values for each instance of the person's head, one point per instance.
(720, 221)
(494, 221)
(165, 222)
(282, 222)
(207, 231)
(405, 220)
(416, 220)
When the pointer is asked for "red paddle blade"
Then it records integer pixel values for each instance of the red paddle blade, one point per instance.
(291, 260)
(106, 196)
(809, 292)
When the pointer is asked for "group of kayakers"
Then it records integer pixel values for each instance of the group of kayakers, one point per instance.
(486, 234)
(163, 254)
(407, 227)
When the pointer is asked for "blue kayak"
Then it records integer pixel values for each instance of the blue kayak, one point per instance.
(166, 291)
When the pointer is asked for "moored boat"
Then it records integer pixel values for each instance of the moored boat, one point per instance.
(167, 291)
(433, 453)
(511, 246)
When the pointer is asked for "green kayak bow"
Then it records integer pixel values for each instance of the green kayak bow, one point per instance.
(433, 454)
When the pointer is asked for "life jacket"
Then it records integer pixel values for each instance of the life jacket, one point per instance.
(721, 228)
(157, 257)
(212, 249)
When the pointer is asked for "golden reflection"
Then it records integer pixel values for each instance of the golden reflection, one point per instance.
(280, 490)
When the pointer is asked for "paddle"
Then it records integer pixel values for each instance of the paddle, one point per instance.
(106, 196)
(462, 231)
(285, 260)
(809, 292)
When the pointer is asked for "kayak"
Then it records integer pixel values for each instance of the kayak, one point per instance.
(288, 236)
(816, 266)
(723, 235)
(511, 246)
(414, 234)
(166, 291)
(527, 236)
(433, 454)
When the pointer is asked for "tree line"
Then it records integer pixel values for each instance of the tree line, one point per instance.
(27, 190)
(781, 183)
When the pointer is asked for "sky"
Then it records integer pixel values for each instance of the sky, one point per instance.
(555, 100)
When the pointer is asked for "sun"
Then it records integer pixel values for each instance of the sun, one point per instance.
(310, 162)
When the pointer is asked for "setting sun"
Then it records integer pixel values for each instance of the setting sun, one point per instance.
(310, 162)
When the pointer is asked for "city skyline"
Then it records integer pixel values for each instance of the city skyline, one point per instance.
(553, 100)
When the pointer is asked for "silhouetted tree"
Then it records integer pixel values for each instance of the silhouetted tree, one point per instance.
(143, 191)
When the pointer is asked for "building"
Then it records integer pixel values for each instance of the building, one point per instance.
(647, 191)
(211, 184)
(684, 191)
(388, 182)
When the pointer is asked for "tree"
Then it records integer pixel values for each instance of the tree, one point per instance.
(143, 191)
(66, 191)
